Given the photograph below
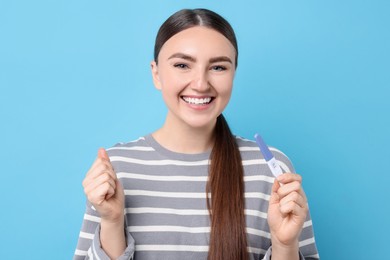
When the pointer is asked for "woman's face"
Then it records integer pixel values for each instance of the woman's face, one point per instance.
(195, 74)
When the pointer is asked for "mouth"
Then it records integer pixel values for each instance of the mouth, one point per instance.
(199, 101)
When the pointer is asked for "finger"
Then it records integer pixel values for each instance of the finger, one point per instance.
(289, 177)
(109, 169)
(100, 161)
(117, 188)
(293, 208)
(110, 193)
(98, 196)
(101, 157)
(101, 179)
(103, 154)
(274, 193)
(289, 188)
(294, 197)
(290, 182)
(97, 170)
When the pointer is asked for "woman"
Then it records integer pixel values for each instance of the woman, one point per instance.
(192, 190)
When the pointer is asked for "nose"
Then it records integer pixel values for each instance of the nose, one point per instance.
(200, 82)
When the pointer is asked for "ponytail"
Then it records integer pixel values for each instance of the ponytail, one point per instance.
(226, 184)
(227, 203)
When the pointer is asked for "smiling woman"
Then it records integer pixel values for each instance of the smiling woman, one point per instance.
(192, 190)
(192, 66)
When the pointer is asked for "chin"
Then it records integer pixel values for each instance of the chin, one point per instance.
(201, 123)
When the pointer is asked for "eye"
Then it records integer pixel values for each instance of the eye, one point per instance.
(218, 68)
(181, 66)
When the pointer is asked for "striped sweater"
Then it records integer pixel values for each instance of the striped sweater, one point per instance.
(165, 204)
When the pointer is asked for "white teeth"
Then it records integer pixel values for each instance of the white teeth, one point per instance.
(197, 101)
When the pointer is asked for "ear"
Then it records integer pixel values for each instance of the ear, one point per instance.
(155, 75)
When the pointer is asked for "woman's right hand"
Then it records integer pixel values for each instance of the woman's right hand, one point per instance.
(104, 190)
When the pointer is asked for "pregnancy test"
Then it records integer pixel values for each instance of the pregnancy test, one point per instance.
(268, 156)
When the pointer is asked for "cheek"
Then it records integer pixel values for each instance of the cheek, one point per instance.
(224, 85)
(173, 81)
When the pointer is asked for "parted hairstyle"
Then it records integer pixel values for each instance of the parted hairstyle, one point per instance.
(225, 182)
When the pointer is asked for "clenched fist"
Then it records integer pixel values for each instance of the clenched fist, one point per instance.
(103, 188)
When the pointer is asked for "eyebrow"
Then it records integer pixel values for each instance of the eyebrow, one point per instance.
(182, 56)
(221, 58)
(192, 59)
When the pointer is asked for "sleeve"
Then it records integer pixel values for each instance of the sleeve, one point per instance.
(269, 253)
(307, 245)
(89, 247)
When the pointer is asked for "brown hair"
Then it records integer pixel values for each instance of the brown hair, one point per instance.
(226, 185)
(188, 18)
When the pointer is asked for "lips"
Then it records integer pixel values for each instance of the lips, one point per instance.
(199, 101)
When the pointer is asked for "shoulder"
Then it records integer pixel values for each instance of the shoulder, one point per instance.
(137, 145)
(250, 151)
(141, 141)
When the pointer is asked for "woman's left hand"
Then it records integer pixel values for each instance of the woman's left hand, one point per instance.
(287, 210)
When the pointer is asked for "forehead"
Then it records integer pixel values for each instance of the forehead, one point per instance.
(199, 41)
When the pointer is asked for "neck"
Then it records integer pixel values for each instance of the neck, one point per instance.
(185, 139)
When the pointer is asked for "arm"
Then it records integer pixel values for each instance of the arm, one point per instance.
(105, 194)
(285, 194)
(89, 244)
(90, 223)
(289, 220)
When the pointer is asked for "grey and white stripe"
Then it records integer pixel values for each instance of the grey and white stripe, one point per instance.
(165, 208)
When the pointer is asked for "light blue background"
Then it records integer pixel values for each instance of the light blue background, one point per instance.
(313, 78)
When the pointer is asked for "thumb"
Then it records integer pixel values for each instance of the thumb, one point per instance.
(103, 154)
(274, 193)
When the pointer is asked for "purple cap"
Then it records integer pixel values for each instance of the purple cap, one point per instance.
(263, 148)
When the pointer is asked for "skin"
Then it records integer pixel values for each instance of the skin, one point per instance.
(287, 212)
(195, 63)
(105, 192)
